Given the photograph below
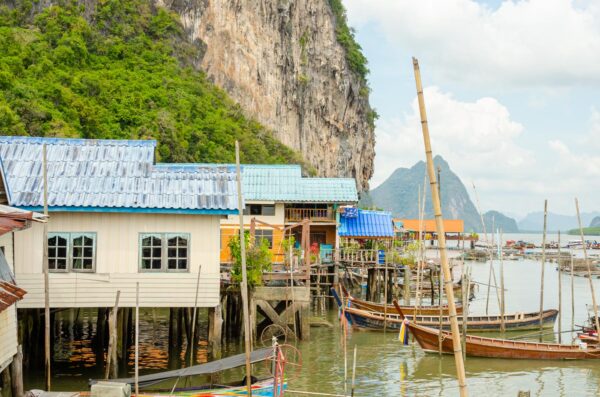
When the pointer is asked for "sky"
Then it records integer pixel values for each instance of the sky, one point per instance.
(512, 91)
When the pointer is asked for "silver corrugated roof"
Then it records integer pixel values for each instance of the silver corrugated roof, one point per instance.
(110, 174)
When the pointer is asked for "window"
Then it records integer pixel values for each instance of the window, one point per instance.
(264, 234)
(164, 251)
(71, 252)
(259, 209)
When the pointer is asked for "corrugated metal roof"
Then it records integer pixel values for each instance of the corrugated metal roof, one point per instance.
(284, 183)
(367, 224)
(110, 174)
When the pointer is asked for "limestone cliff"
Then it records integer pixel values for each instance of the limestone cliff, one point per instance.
(280, 60)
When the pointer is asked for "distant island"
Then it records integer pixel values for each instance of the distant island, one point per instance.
(587, 231)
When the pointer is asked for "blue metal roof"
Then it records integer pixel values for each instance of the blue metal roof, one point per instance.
(110, 174)
(367, 224)
(284, 183)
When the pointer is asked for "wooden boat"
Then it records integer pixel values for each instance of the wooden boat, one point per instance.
(369, 320)
(273, 386)
(381, 307)
(478, 346)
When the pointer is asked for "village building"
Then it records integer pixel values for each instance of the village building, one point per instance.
(116, 219)
(11, 219)
(278, 197)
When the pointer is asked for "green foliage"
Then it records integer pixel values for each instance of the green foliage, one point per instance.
(587, 231)
(258, 259)
(127, 75)
(345, 36)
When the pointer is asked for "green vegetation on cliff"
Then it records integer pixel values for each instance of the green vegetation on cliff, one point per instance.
(345, 36)
(128, 74)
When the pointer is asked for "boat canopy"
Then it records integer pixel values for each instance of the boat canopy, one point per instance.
(203, 369)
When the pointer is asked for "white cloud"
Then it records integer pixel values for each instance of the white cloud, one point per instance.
(529, 42)
(478, 138)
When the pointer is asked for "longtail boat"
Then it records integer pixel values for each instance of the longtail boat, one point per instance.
(478, 346)
(368, 320)
(383, 308)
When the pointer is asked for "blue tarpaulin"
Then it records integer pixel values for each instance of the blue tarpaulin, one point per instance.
(368, 224)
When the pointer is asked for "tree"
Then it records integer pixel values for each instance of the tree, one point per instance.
(258, 259)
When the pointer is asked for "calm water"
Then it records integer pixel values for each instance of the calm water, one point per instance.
(385, 367)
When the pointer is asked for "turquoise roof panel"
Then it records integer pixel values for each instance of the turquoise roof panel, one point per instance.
(285, 183)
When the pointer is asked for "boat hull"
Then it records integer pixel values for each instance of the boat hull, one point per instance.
(408, 310)
(477, 346)
(361, 319)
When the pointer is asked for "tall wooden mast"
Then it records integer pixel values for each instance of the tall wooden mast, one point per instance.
(458, 357)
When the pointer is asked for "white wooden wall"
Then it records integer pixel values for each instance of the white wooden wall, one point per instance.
(8, 334)
(8, 317)
(117, 262)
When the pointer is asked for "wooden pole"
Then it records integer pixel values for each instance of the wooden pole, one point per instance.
(502, 301)
(543, 266)
(111, 356)
(137, 338)
(244, 285)
(46, 277)
(353, 373)
(194, 316)
(559, 294)
(589, 271)
(385, 294)
(458, 357)
(572, 292)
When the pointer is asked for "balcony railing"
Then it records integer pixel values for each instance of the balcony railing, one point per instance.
(314, 214)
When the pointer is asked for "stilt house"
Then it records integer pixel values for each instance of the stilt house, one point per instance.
(116, 219)
(278, 197)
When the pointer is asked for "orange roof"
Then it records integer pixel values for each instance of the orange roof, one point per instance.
(450, 225)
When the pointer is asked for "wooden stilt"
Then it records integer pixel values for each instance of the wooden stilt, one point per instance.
(111, 356)
(502, 301)
(16, 372)
(215, 326)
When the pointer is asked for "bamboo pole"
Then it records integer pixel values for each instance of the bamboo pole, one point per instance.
(419, 263)
(137, 338)
(458, 357)
(385, 294)
(589, 271)
(489, 250)
(353, 373)
(502, 301)
(572, 292)
(543, 265)
(111, 356)
(244, 286)
(559, 293)
(47, 360)
(194, 316)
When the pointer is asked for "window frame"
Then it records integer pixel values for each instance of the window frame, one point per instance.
(70, 236)
(164, 257)
(258, 234)
(248, 209)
